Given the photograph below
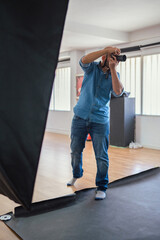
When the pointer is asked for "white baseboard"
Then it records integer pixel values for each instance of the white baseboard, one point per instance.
(60, 131)
(152, 147)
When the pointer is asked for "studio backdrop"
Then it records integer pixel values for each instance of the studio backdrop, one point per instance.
(30, 38)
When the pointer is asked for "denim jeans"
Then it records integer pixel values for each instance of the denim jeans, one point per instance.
(100, 138)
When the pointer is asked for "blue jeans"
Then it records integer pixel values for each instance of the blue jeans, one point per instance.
(100, 138)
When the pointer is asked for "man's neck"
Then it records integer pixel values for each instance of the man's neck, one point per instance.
(105, 68)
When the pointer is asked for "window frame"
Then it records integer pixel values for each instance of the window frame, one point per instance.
(142, 54)
(60, 65)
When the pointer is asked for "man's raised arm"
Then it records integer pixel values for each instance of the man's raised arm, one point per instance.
(94, 55)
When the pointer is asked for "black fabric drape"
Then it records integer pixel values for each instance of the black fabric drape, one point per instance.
(30, 37)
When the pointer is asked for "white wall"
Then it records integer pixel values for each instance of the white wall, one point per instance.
(59, 122)
(147, 131)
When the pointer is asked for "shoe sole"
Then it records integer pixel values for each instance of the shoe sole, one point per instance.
(99, 198)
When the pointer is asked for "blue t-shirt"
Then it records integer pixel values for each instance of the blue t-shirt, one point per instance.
(93, 103)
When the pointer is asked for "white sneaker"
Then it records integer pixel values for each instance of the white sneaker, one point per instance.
(71, 182)
(100, 195)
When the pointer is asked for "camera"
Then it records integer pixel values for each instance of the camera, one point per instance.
(120, 58)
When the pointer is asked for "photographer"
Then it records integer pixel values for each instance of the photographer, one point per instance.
(92, 114)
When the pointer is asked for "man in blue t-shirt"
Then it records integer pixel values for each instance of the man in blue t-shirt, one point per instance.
(91, 114)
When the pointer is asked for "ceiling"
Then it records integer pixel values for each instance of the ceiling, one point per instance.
(98, 23)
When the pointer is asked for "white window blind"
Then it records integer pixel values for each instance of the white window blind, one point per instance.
(130, 76)
(151, 85)
(60, 98)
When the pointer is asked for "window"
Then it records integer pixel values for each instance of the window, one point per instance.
(151, 85)
(141, 77)
(60, 98)
(130, 76)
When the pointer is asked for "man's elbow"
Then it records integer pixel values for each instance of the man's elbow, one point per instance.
(83, 60)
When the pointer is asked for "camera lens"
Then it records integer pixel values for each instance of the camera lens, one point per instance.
(121, 58)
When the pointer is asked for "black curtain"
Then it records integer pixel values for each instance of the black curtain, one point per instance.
(30, 38)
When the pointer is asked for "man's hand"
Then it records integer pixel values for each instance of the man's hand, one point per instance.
(113, 50)
(113, 62)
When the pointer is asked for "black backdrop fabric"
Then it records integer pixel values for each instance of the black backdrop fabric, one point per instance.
(30, 38)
